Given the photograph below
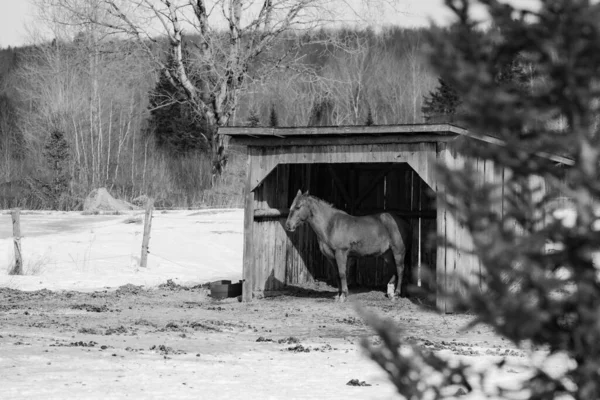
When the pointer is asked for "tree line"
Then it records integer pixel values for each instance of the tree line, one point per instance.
(118, 121)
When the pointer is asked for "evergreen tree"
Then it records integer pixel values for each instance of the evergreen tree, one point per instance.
(369, 120)
(57, 155)
(531, 296)
(321, 113)
(253, 118)
(174, 123)
(441, 104)
(273, 118)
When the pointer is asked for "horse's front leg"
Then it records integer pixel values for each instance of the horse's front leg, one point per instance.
(341, 258)
(337, 275)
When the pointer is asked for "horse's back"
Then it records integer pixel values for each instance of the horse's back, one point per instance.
(369, 234)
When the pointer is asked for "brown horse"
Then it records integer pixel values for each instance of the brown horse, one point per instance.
(341, 235)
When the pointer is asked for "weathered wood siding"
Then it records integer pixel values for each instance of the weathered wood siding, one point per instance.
(418, 155)
(457, 260)
(358, 179)
(361, 170)
(270, 242)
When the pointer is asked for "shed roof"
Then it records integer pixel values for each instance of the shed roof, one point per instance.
(324, 135)
(358, 134)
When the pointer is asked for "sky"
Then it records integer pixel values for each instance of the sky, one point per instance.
(14, 16)
(17, 16)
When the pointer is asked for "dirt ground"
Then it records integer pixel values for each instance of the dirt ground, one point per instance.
(176, 342)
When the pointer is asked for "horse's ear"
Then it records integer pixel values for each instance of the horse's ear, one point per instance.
(299, 193)
(306, 193)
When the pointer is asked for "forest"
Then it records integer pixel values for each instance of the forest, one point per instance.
(81, 114)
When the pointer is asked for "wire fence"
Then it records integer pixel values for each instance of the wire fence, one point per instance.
(187, 243)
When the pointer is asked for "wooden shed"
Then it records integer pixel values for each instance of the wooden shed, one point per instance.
(362, 170)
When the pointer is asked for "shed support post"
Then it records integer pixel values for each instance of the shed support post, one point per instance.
(445, 262)
(248, 267)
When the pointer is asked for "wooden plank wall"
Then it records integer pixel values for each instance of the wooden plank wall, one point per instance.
(416, 154)
(457, 260)
(270, 239)
(277, 258)
(303, 262)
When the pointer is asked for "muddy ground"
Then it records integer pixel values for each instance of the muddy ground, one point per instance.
(176, 342)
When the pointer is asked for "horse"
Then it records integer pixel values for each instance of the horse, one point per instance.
(341, 235)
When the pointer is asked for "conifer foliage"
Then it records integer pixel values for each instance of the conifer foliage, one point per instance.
(546, 116)
(273, 118)
(441, 104)
(370, 121)
(253, 118)
(176, 127)
(57, 154)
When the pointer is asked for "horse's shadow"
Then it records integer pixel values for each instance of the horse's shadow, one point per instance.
(308, 292)
(326, 291)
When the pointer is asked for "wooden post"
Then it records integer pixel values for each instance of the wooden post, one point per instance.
(248, 263)
(16, 222)
(147, 226)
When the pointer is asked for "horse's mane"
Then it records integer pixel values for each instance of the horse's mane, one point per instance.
(318, 200)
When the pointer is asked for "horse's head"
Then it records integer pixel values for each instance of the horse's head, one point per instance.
(299, 211)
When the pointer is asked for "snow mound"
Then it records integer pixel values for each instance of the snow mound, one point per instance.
(101, 200)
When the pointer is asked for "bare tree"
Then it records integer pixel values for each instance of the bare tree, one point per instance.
(235, 39)
(352, 75)
(78, 89)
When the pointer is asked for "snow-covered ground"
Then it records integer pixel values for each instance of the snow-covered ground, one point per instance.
(71, 251)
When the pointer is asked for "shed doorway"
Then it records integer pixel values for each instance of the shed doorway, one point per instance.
(361, 189)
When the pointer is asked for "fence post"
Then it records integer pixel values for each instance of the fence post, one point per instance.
(16, 222)
(147, 225)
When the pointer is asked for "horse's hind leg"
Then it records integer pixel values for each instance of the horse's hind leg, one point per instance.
(388, 258)
(399, 258)
(341, 258)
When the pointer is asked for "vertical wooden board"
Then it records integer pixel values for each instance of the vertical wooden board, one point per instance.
(420, 159)
(395, 185)
(428, 253)
(365, 178)
(363, 271)
(283, 181)
(280, 239)
(269, 266)
(379, 262)
(258, 283)
(298, 249)
(290, 260)
(292, 240)
(395, 198)
(423, 160)
(248, 253)
(453, 255)
(428, 239)
(441, 265)
(416, 191)
(266, 254)
(443, 268)
(313, 263)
